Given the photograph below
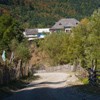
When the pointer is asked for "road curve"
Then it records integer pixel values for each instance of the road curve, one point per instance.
(53, 86)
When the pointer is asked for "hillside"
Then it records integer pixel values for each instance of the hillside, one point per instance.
(44, 13)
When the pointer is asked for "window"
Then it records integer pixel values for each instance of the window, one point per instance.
(76, 23)
(60, 24)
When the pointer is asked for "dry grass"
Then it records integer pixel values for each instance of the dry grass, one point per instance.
(39, 58)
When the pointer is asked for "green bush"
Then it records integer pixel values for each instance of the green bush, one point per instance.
(22, 52)
(56, 46)
(85, 80)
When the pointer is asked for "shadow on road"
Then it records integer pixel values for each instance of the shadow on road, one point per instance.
(79, 92)
(44, 83)
(6, 89)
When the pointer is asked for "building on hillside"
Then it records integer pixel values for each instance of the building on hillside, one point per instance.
(32, 34)
(43, 30)
(65, 24)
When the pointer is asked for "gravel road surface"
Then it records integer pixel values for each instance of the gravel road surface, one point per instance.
(53, 86)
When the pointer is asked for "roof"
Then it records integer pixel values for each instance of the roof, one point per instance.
(31, 31)
(66, 22)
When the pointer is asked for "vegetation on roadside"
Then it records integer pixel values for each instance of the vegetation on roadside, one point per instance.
(82, 46)
(12, 39)
(84, 80)
(17, 50)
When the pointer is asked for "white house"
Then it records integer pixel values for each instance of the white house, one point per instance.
(65, 24)
(32, 34)
(45, 30)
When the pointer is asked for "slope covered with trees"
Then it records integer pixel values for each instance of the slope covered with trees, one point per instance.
(44, 13)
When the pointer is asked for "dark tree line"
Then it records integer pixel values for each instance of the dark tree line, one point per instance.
(44, 13)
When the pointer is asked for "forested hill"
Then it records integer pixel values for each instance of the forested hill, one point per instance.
(44, 13)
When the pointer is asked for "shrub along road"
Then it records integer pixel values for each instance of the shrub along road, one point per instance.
(53, 86)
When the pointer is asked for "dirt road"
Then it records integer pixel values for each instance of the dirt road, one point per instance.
(53, 86)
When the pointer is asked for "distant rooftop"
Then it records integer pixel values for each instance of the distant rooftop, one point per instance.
(31, 31)
(66, 22)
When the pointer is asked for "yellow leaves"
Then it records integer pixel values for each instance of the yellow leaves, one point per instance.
(84, 21)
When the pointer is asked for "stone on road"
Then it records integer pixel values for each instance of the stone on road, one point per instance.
(53, 86)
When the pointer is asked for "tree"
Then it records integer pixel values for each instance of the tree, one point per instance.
(93, 48)
(77, 45)
(86, 41)
(55, 45)
(22, 52)
(9, 29)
